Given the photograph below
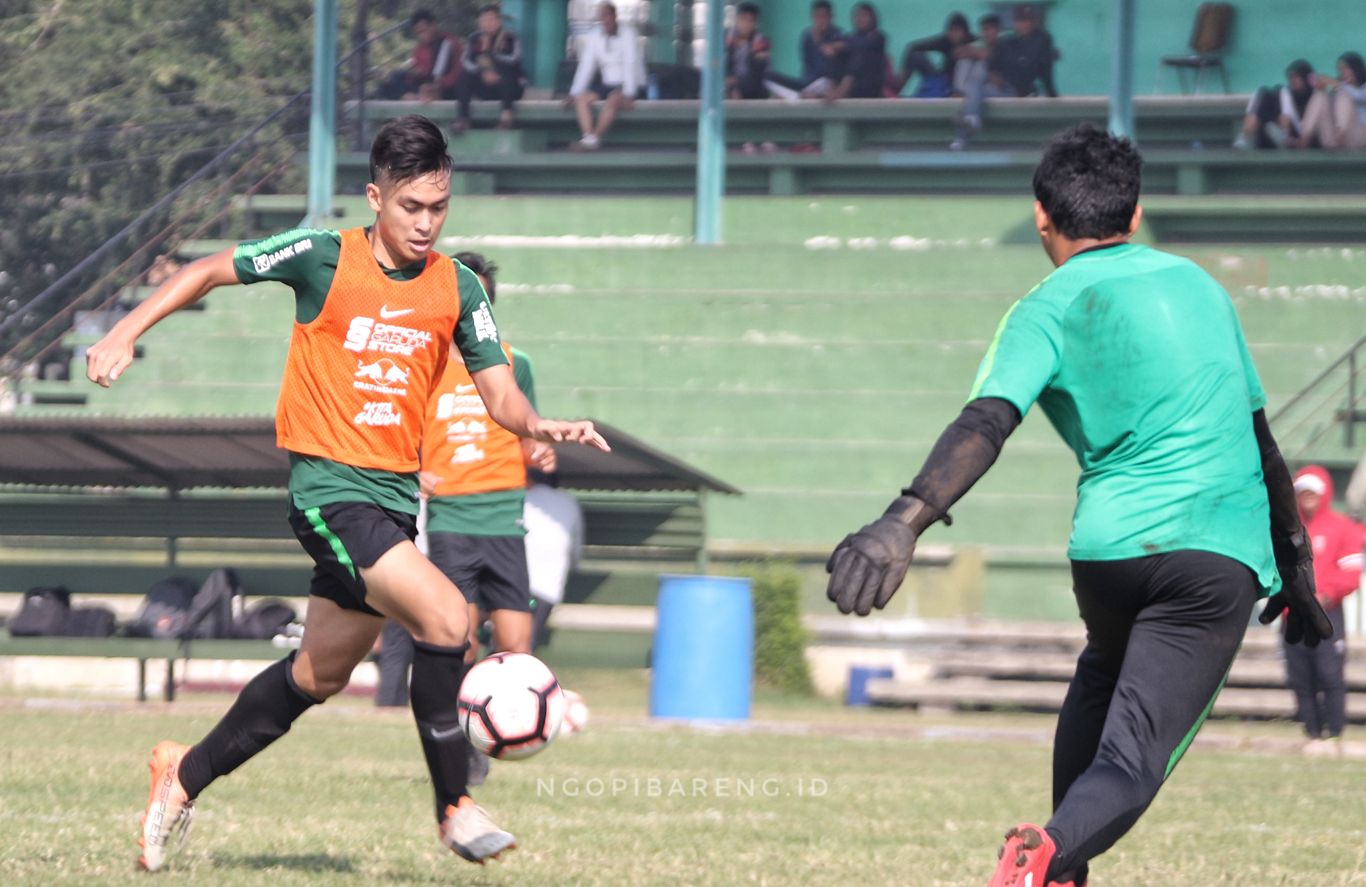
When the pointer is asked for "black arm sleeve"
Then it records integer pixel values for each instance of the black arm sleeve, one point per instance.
(1287, 533)
(963, 453)
(937, 43)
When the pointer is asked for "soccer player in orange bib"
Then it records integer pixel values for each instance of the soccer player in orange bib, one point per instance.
(377, 314)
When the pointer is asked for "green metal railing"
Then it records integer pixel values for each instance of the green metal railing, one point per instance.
(1326, 419)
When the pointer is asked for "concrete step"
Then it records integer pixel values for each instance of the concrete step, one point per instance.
(1259, 669)
(978, 693)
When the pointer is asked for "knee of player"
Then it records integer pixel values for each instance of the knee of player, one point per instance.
(1145, 777)
(448, 628)
(320, 685)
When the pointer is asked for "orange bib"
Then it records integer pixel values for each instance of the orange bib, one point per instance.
(466, 449)
(358, 376)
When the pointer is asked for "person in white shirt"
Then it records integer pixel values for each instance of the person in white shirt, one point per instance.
(1275, 115)
(554, 543)
(611, 69)
(1339, 122)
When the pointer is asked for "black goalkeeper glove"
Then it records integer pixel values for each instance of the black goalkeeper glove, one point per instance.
(1305, 621)
(869, 566)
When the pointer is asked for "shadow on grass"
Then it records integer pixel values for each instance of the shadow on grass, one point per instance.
(296, 862)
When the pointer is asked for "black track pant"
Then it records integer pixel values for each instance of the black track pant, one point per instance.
(1318, 677)
(1161, 634)
(471, 86)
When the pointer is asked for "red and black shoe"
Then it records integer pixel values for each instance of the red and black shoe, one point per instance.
(1024, 858)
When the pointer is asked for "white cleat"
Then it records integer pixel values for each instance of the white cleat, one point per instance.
(169, 812)
(473, 835)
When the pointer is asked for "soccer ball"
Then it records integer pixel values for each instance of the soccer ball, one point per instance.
(575, 712)
(510, 706)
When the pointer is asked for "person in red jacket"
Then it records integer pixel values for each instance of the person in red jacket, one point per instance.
(1317, 675)
(434, 71)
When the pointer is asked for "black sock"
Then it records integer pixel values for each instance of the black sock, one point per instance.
(433, 691)
(263, 712)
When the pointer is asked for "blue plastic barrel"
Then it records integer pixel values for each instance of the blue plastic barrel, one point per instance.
(859, 676)
(703, 662)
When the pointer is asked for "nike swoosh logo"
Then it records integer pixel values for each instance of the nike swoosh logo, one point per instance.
(385, 313)
(465, 389)
(445, 734)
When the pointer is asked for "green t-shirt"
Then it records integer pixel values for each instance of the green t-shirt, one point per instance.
(305, 259)
(497, 513)
(525, 375)
(1138, 359)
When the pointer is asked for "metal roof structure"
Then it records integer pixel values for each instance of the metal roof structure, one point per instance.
(236, 452)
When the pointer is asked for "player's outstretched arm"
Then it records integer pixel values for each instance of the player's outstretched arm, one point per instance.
(106, 360)
(868, 567)
(1305, 621)
(508, 406)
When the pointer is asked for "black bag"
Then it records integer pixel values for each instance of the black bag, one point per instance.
(263, 620)
(211, 610)
(43, 613)
(678, 81)
(165, 611)
(89, 622)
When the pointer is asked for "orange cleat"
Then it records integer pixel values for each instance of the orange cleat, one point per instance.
(1024, 858)
(169, 811)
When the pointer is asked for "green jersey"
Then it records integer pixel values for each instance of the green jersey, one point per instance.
(305, 259)
(1139, 361)
(498, 513)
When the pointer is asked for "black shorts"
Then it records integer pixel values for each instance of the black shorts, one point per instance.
(602, 90)
(343, 538)
(489, 570)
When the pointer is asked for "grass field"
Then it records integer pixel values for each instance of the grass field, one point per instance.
(813, 794)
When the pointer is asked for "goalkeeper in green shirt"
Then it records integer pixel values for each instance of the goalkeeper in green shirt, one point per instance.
(1185, 509)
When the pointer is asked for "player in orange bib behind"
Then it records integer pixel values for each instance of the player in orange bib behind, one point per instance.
(377, 315)
(474, 472)
(474, 475)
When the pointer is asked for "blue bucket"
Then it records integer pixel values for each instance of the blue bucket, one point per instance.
(859, 676)
(703, 661)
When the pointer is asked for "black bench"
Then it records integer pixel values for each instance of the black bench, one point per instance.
(128, 542)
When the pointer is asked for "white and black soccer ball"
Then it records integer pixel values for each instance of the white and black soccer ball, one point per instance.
(511, 706)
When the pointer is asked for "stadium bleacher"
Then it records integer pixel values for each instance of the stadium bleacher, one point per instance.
(872, 146)
(811, 359)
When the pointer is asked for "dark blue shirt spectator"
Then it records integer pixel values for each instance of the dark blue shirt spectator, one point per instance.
(822, 53)
(1024, 60)
(866, 74)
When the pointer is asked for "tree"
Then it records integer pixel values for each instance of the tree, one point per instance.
(110, 104)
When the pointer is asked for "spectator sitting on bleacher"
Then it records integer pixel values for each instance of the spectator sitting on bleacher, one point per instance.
(942, 79)
(434, 69)
(1020, 65)
(610, 69)
(823, 56)
(1274, 114)
(974, 60)
(865, 76)
(1340, 122)
(747, 55)
(493, 68)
